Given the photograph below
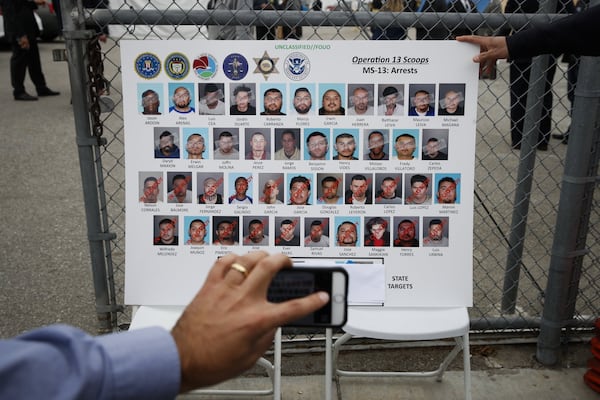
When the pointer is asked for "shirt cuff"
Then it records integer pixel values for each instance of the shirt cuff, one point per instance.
(145, 363)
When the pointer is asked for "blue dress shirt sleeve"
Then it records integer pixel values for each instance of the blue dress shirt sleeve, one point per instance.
(62, 362)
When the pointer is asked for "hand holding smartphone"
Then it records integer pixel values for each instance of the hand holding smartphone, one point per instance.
(295, 282)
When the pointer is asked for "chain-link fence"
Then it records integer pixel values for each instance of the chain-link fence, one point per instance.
(519, 168)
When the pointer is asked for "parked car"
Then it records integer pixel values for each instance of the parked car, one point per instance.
(47, 23)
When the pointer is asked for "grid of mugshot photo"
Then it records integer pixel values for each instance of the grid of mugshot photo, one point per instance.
(301, 99)
(298, 189)
(296, 231)
(293, 144)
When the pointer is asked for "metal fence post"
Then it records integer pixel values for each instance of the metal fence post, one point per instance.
(524, 183)
(578, 184)
(88, 149)
(533, 113)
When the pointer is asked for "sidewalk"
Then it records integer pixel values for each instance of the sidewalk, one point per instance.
(499, 372)
(511, 384)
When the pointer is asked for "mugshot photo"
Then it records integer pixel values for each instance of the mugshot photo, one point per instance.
(240, 188)
(182, 97)
(361, 99)
(300, 189)
(347, 231)
(376, 144)
(377, 232)
(418, 188)
(272, 99)
(435, 231)
(316, 232)
(166, 142)
(255, 231)
(210, 187)
(390, 100)
(422, 100)
(452, 99)
(406, 231)
(166, 229)
(227, 143)
(243, 99)
(333, 98)
(435, 144)
(258, 144)
(196, 143)
(302, 99)
(405, 144)
(317, 144)
(211, 98)
(359, 188)
(288, 231)
(447, 188)
(179, 187)
(346, 144)
(287, 144)
(196, 230)
(330, 188)
(149, 95)
(271, 188)
(151, 187)
(388, 188)
(226, 230)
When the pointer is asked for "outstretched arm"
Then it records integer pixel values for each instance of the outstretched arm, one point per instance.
(575, 34)
(223, 331)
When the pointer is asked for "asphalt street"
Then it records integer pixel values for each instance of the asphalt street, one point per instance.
(45, 273)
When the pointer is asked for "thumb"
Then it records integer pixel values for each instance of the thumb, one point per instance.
(292, 310)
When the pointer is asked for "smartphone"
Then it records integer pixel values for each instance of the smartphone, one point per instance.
(295, 282)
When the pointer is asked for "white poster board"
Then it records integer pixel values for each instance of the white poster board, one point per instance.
(412, 181)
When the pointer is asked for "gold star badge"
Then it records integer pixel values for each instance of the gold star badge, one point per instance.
(265, 65)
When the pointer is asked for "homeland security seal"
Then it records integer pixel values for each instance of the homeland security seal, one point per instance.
(205, 66)
(147, 65)
(297, 66)
(235, 66)
(177, 66)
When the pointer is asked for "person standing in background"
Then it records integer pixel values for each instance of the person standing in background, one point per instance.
(393, 33)
(22, 31)
(520, 69)
(461, 6)
(230, 32)
(265, 32)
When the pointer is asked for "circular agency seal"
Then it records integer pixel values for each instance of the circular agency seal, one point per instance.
(205, 66)
(147, 65)
(235, 66)
(177, 66)
(297, 66)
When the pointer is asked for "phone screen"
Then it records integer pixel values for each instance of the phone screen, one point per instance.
(299, 282)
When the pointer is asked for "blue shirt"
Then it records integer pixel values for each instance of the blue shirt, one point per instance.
(62, 362)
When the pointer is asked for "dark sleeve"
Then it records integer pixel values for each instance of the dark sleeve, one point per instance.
(18, 18)
(576, 34)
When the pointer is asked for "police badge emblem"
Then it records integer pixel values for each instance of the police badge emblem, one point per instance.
(266, 65)
(177, 66)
